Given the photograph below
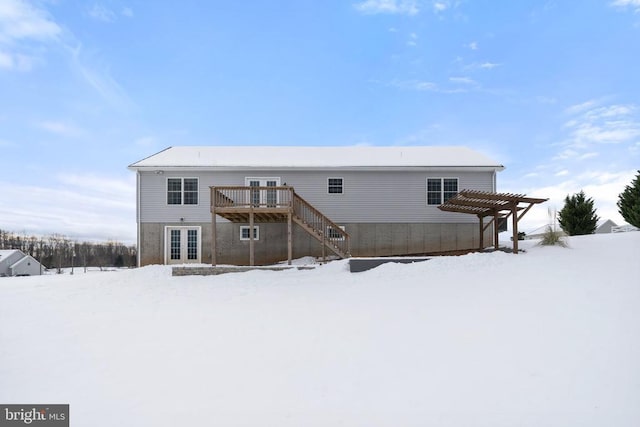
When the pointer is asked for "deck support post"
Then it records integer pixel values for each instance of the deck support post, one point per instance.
(251, 242)
(213, 227)
(289, 238)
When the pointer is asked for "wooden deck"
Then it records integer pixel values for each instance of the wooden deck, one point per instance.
(250, 205)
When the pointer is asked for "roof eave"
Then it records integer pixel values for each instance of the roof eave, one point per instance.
(173, 168)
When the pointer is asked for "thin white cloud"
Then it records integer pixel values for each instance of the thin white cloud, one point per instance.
(463, 80)
(473, 45)
(440, 6)
(413, 40)
(627, 4)
(396, 7)
(27, 33)
(61, 128)
(102, 13)
(425, 86)
(579, 108)
(20, 20)
(100, 80)
(127, 11)
(23, 28)
(453, 86)
(613, 124)
(489, 65)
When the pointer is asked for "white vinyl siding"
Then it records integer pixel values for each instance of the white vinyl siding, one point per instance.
(373, 196)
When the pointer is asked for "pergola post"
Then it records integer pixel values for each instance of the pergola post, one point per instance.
(496, 232)
(481, 218)
(514, 222)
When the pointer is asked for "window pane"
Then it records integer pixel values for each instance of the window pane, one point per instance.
(433, 198)
(190, 191)
(434, 184)
(192, 244)
(175, 244)
(190, 184)
(451, 184)
(434, 191)
(174, 191)
(272, 195)
(335, 185)
(450, 188)
(174, 184)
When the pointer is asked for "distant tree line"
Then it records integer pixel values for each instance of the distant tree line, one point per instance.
(58, 251)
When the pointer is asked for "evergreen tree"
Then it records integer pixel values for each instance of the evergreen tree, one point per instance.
(629, 202)
(578, 216)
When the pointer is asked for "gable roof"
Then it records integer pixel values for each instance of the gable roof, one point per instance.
(236, 157)
(6, 253)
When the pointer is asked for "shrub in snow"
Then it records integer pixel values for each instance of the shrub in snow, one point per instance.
(552, 237)
(629, 202)
(578, 216)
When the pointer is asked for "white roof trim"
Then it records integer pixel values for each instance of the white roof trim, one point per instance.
(357, 158)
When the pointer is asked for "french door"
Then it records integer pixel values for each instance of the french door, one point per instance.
(263, 197)
(182, 245)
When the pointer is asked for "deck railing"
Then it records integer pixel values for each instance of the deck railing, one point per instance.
(251, 197)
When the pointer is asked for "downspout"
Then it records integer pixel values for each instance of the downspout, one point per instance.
(138, 218)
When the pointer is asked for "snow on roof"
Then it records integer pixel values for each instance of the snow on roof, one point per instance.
(315, 157)
(6, 252)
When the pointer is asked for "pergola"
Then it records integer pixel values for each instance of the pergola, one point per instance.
(494, 205)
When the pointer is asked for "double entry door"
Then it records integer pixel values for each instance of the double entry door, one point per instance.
(182, 245)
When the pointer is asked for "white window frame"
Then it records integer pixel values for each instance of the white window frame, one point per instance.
(341, 185)
(248, 228)
(181, 178)
(167, 241)
(442, 191)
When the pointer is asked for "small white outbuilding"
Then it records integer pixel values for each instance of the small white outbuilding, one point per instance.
(14, 262)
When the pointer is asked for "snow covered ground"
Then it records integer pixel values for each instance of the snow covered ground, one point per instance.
(546, 338)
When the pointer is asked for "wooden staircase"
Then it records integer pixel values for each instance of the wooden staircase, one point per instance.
(279, 204)
(331, 235)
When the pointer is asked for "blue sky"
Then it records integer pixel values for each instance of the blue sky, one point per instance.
(548, 88)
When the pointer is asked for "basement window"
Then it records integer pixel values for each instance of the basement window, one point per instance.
(244, 233)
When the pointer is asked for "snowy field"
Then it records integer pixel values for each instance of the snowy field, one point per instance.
(546, 338)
